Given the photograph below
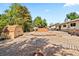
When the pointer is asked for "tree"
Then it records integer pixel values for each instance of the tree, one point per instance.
(72, 16)
(18, 14)
(39, 22)
(44, 23)
(3, 21)
(0, 16)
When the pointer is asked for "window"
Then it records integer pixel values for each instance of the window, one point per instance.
(64, 25)
(73, 24)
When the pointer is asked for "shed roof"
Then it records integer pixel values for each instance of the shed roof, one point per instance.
(12, 27)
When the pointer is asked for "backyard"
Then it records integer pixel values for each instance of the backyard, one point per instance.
(51, 43)
(38, 30)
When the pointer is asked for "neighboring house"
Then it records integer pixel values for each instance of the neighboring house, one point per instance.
(35, 28)
(69, 26)
(54, 26)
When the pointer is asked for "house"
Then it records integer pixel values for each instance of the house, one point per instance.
(69, 26)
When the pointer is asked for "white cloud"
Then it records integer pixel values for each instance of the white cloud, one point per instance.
(77, 12)
(47, 10)
(71, 4)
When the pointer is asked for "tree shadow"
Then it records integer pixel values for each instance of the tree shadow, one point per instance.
(51, 50)
(12, 49)
(29, 47)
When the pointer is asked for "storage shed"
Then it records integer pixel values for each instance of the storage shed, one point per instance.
(13, 31)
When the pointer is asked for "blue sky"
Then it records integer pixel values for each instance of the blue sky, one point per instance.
(52, 12)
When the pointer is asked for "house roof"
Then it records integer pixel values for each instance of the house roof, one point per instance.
(75, 20)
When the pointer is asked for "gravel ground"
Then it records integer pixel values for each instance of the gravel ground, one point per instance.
(52, 43)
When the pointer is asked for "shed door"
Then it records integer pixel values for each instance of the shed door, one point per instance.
(59, 27)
